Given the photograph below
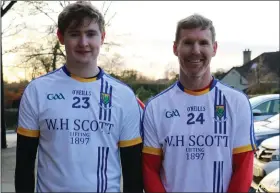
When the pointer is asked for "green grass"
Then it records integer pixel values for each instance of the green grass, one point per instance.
(11, 128)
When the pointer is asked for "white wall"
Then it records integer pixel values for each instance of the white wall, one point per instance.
(233, 78)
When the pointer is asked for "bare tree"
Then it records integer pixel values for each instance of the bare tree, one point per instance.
(12, 29)
(5, 7)
(219, 73)
(48, 55)
(170, 72)
(111, 64)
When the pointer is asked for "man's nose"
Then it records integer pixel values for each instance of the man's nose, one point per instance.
(83, 41)
(196, 48)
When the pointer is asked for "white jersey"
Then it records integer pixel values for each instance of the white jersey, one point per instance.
(197, 135)
(81, 123)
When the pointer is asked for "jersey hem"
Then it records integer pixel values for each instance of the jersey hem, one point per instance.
(28, 132)
(243, 149)
(129, 143)
(152, 150)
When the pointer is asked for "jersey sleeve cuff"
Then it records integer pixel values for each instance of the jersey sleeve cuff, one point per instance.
(244, 148)
(28, 132)
(152, 150)
(128, 143)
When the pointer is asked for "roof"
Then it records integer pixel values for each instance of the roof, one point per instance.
(270, 59)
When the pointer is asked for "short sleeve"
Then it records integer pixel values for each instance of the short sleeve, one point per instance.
(130, 131)
(28, 113)
(151, 142)
(244, 136)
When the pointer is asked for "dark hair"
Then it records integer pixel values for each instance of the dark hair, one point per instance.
(77, 12)
(195, 21)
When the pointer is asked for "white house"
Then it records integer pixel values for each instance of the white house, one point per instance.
(253, 71)
(235, 79)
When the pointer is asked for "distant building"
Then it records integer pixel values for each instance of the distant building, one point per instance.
(264, 70)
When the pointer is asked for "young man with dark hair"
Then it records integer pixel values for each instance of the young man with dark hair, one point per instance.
(198, 134)
(79, 118)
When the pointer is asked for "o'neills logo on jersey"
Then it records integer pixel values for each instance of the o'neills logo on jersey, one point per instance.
(58, 96)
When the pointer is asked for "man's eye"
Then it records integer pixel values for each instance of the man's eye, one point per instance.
(187, 42)
(74, 35)
(204, 43)
(91, 34)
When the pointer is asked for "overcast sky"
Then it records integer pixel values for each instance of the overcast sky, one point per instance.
(146, 32)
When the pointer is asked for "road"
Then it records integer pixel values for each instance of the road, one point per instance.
(8, 164)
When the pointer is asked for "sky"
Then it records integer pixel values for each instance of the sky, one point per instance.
(145, 31)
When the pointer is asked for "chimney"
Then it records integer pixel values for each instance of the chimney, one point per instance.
(246, 56)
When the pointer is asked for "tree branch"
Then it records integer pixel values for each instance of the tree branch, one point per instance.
(39, 9)
(109, 20)
(6, 9)
(16, 32)
(42, 54)
(105, 13)
(61, 53)
(10, 24)
(111, 44)
(61, 4)
(3, 3)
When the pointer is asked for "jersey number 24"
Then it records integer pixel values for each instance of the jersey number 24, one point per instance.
(192, 116)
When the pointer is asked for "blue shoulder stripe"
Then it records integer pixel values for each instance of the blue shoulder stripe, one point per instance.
(252, 131)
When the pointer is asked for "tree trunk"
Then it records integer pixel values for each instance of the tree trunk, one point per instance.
(3, 123)
(55, 49)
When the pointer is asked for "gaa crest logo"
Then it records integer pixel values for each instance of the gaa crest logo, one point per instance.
(220, 111)
(105, 98)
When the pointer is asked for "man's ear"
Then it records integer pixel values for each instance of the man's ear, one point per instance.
(175, 51)
(103, 37)
(60, 37)
(215, 47)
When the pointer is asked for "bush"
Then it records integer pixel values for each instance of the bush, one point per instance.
(263, 89)
(11, 118)
(275, 91)
(143, 94)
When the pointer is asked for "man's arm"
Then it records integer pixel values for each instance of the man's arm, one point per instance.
(152, 154)
(243, 148)
(151, 173)
(27, 141)
(242, 169)
(25, 163)
(131, 168)
(131, 147)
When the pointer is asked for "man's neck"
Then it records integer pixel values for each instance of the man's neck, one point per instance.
(82, 70)
(195, 83)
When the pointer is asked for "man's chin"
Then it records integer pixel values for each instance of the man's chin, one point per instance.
(194, 73)
(83, 62)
